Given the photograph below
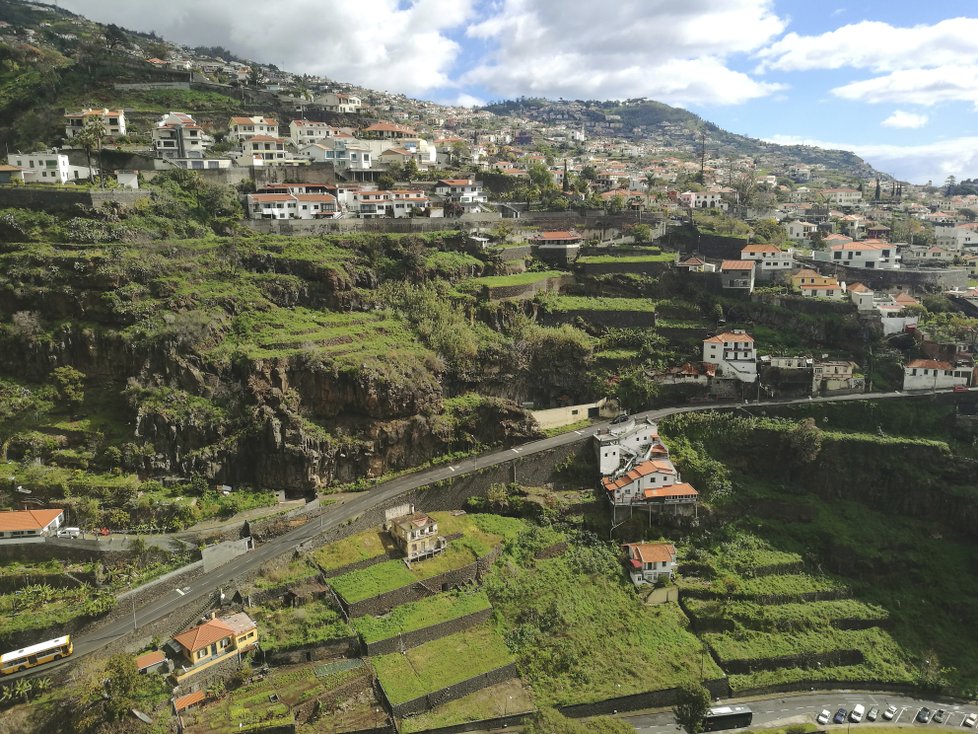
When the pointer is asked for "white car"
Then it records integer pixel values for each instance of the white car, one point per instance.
(69, 533)
(890, 712)
(823, 717)
(858, 711)
(971, 720)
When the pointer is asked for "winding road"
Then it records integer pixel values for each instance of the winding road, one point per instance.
(172, 599)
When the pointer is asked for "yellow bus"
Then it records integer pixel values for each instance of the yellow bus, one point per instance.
(42, 652)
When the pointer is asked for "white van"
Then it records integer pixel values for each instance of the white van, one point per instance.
(69, 533)
(858, 711)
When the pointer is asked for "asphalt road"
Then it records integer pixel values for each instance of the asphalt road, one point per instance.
(172, 599)
(803, 708)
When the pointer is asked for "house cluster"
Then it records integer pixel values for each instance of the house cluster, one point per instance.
(637, 473)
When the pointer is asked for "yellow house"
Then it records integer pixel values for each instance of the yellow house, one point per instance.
(809, 277)
(415, 533)
(212, 642)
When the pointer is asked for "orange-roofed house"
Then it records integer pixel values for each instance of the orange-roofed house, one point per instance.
(30, 523)
(733, 353)
(871, 254)
(770, 260)
(182, 703)
(648, 563)
(696, 265)
(213, 642)
(113, 121)
(559, 246)
(388, 131)
(629, 488)
(415, 533)
(465, 191)
(150, 661)
(861, 295)
(262, 150)
(934, 374)
(737, 275)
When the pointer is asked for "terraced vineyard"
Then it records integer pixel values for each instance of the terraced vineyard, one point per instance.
(769, 622)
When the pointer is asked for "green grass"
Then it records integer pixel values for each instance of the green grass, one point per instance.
(363, 546)
(489, 703)
(501, 281)
(420, 614)
(798, 615)
(580, 633)
(440, 663)
(662, 257)
(586, 303)
(287, 628)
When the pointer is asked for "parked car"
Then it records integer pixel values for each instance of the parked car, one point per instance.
(890, 712)
(69, 533)
(940, 716)
(824, 716)
(857, 714)
(840, 716)
(970, 720)
(923, 716)
(960, 388)
(873, 714)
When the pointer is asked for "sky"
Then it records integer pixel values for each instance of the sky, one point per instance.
(895, 81)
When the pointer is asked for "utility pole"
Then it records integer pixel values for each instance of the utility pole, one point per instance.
(703, 156)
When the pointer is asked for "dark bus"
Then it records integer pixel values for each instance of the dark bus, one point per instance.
(727, 717)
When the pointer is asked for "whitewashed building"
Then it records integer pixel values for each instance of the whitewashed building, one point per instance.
(734, 355)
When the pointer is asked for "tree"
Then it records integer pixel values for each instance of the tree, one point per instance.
(91, 138)
(694, 702)
(805, 441)
(70, 384)
(642, 232)
(115, 36)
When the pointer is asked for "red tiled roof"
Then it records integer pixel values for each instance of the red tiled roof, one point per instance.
(728, 336)
(859, 288)
(199, 637)
(653, 552)
(737, 265)
(673, 490)
(864, 245)
(558, 235)
(185, 702)
(149, 659)
(761, 248)
(930, 364)
(650, 466)
(27, 519)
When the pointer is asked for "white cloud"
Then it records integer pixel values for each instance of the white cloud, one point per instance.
(674, 52)
(917, 86)
(903, 119)
(467, 100)
(383, 44)
(916, 163)
(878, 46)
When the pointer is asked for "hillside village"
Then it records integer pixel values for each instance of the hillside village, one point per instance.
(238, 303)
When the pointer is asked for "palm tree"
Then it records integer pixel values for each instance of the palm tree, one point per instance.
(22, 689)
(91, 138)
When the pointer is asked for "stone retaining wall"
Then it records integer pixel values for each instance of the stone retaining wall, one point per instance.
(718, 688)
(832, 658)
(345, 647)
(414, 638)
(643, 268)
(500, 722)
(65, 199)
(452, 692)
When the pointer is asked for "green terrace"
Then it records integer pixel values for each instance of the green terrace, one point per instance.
(501, 699)
(504, 281)
(386, 576)
(839, 613)
(585, 303)
(441, 663)
(661, 257)
(285, 628)
(267, 703)
(363, 546)
(417, 615)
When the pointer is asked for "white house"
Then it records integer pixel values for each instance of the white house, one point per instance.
(696, 265)
(770, 259)
(831, 289)
(342, 150)
(346, 104)
(30, 523)
(113, 121)
(836, 376)
(709, 199)
(287, 205)
(733, 353)
(243, 128)
(629, 487)
(955, 239)
(625, 442)
(51, 167)
(870, 254)
(393, 203)
(306, 132)
(862, 296)
(462, 190)
(737, 275)
(933, 374)
(800, 231)
(647, 563)
(177, 135)
(843, 196)
(262, 150)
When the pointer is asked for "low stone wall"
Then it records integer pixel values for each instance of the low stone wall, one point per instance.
(614, 319)
(452, 692)
(606, 268)
(832, 658)
(345, 647)
(500, 722)
(526, 290)
(64, 199)
(426, 634)
(718, 688)
(832, 685)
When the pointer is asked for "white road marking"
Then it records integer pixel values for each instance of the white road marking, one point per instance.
(579, 433)
(179, 591)
(452, 468)
(515, 451)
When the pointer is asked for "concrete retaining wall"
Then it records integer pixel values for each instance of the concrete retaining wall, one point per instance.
(56, 199)
(718, 688)
(345, 647)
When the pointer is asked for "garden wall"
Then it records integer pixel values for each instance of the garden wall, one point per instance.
(426, 634)
(452, 692)
(718, 688)
(525, 290)
(344, 647)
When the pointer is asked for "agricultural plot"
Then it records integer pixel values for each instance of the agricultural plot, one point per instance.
(502, 699)
(441, 663)
(286, 628)
(420, 614)
(565, 304)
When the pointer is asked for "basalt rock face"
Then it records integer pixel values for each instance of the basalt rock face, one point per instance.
(194, 392)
